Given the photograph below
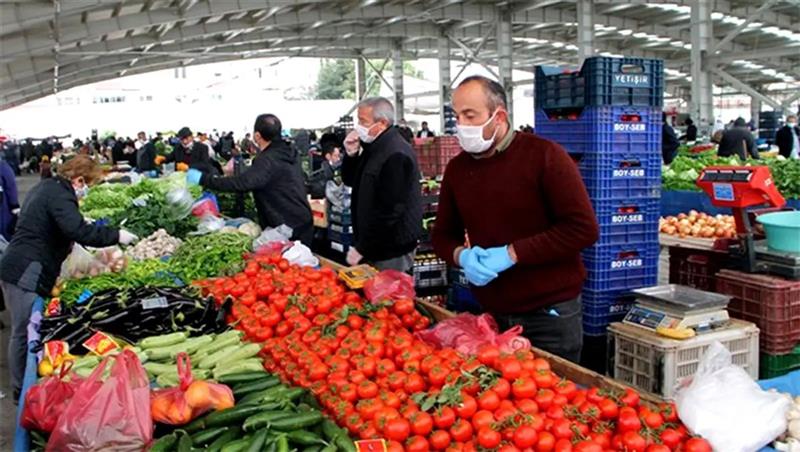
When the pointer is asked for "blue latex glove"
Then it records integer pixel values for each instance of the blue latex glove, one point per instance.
(497, 259)
(193, 177)
(476, 273)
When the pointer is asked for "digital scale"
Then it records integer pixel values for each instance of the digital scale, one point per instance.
(741, 188)
(678, 308)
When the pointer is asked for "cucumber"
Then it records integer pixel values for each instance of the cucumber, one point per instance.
(264, 419)
(294, 393)
(223, 340)
(86, 361)
(243, 377)
(240, 354)
(184, 442)
(260, 385)
(206, 436)
(167, 380)
(165, 443)
(297, 421)
(248, 365)
(238, 445)
(191, 345)
(159, 368)
(282, 444)
(305, 438)
(211, 360)
(164, 340)
(273, 394)
(344, 443)
(257, 443)
(230, 435)
(230, 416)
(331, 430)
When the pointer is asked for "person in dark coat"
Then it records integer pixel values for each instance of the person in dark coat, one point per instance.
(118, 151)
(738, 140)
(49, 224)
(327, 172)
(146, 156)
(691, 130)
(182, 151)
(788, 138)
(669, 141)
(9, 202)
(274, 178)
(386, 205)
(424, 131)
(405, 131)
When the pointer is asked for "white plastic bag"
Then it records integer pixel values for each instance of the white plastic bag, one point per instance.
(725, 406)
(282, 233)
(301, 255)
(180, 202)
(208, 224)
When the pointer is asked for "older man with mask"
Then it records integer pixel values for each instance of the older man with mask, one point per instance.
(386, 201)
(521, 200)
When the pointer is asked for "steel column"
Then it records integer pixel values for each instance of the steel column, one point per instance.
(585, 29)
(755, 112)
(702, 105)
(505, 62)
(397, 81)
(361, 81)
(444, 79)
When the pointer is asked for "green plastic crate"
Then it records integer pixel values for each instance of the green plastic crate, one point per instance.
(776, 365)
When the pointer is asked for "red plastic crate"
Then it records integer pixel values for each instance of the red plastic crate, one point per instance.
(770, 302)
(433, 154)
(696, 268)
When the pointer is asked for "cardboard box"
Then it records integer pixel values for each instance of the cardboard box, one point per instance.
(319, 211)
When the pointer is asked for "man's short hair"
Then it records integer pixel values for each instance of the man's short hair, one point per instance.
(791, 117)
(424, 123)
(381, 108)
(495, 94)
(268, 126)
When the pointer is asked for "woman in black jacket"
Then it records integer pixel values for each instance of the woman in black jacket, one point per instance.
(48, 225)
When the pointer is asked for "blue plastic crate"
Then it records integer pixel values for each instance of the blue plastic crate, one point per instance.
(601, 81)
(603, 308)
(456, 276)
(627, 221)
(340, 247)
(460, 299)
(344, 239)
(343, 218)
(621, 266)
(606, 130)
(616, 176)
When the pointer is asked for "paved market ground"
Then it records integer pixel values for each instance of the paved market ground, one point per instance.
(8, 410)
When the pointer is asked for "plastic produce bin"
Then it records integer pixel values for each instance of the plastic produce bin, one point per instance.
(783, 230)
(696, 268)
(603, 308)
(617, 176)
(621, 266)
(627, 221)
(770, 302)
(656, 364)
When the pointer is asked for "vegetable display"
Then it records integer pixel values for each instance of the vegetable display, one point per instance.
(156, 245)
(210, 255)
(790, 441)
(699, 224)
(133, 315)
(376, 379)
(149, 215)
(146, 273)
(684, 171)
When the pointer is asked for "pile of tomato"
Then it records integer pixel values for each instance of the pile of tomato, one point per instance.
(375, 378)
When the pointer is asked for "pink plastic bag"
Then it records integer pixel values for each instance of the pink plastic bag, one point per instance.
(389, 285)
(46, 401)
(468, 332)
(108, 415)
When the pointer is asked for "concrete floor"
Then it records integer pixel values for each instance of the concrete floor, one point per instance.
(8, 411)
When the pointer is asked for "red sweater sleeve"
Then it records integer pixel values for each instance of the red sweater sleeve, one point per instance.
(574, 225)
(448, 231)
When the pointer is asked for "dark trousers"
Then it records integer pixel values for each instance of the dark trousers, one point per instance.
(19, 302)
(557, 329)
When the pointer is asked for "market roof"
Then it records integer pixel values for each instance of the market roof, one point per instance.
(55, 45)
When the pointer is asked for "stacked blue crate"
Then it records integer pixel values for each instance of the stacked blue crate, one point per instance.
(608, 117)
(340, 228)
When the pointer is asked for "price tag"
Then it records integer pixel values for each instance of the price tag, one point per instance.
(55, 349)
(371, 445)
(101, 344)
(154, 303)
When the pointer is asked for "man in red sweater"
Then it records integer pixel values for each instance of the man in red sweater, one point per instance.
(522, 202)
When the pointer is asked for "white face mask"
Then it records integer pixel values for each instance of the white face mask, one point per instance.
(363, 133)
(81, 192)
(471, 137)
